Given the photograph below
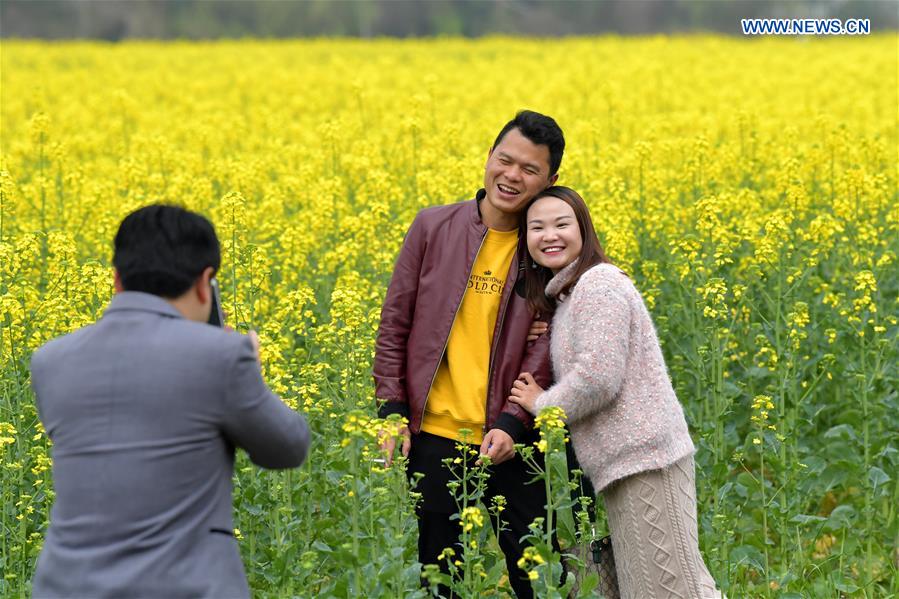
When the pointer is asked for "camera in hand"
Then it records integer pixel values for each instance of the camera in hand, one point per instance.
(216, 316)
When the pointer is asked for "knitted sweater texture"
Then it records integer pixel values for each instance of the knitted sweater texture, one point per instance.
(611, 378)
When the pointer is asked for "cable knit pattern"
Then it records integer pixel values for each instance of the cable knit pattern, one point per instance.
(652, 518)
(611, 378)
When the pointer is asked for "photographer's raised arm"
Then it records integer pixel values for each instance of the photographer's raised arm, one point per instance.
(256, 419)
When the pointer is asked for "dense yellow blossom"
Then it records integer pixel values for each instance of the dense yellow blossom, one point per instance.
(751, 200)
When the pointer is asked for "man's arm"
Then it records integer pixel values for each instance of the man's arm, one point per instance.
(514, 421)
(537, 359)
(397, 315)
(36, 365)
(256, 419)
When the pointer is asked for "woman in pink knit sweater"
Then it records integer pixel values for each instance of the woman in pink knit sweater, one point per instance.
(627, 426)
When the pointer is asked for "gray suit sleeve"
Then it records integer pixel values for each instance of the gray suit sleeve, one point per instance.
(256, 419)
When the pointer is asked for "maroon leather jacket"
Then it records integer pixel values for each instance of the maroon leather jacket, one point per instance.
(425, 292)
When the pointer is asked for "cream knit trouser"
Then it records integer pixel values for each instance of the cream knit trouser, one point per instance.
(652, 519)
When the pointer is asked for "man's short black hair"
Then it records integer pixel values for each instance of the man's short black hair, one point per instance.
(162, 249)
(542, 130)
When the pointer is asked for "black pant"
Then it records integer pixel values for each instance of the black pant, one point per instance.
(436, 531)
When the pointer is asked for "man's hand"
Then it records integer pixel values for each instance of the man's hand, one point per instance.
(388, 443)
(498, 446)
(254, 339)
(538, 327)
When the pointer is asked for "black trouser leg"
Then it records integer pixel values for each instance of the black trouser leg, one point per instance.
(435, 529)
(524, 502)
(436, 532)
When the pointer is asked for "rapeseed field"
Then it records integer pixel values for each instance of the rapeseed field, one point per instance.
(749, 187)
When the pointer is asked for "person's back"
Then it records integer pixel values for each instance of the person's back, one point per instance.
(144, 409)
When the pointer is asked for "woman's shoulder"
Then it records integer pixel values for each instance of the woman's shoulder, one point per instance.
(602, 280)
(605, 275)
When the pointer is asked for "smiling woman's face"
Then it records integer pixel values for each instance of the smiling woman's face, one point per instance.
(554, 237)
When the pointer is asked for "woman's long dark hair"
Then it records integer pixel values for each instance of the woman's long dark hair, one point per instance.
(535, 276)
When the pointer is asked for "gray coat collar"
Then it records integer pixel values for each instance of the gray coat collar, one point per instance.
(560, 279)
(141, 302)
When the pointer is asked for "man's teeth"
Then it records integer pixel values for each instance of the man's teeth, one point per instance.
(505, 189)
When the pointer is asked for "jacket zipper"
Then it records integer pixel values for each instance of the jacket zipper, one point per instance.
(446, 341)
(499, 327)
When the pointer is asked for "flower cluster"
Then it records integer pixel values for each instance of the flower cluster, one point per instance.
(529, 561)
(471, 518)
(761, 410)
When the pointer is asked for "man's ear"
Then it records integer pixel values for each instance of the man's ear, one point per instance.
(117, 281)
(202, 288)
(553, 179)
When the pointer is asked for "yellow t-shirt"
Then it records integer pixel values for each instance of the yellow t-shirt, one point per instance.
(458, 397)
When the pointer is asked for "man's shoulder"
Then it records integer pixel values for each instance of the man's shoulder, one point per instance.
(442, 212)
(59, 345)
(172, 336)
(199, 336)
(161, 330)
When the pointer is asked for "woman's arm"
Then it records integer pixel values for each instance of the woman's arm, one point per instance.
(600, 321)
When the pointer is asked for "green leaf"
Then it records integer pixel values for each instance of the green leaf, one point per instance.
(748, 554)
(845, 585)
(806, 519)
(839, 431)
(590, 582)
(557, 466)
(833, 476)
(890, 452)
(814, 464)
(878, 477)
(842, 516)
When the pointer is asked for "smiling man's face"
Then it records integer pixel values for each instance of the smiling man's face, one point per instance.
(517, 170)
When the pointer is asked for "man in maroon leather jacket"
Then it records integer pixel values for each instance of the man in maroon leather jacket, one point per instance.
(429, 282)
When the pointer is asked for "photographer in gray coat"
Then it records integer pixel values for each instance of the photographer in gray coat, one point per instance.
(145, 408)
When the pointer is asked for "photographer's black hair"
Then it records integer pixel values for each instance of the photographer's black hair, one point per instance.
(162, 249)
(542, 131)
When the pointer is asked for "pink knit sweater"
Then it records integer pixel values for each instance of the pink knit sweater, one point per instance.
(611, 378)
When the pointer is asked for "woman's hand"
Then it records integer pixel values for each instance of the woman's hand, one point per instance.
(525, 392)
(538, 327)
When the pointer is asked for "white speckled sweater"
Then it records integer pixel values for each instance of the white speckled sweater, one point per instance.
(611, 378)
